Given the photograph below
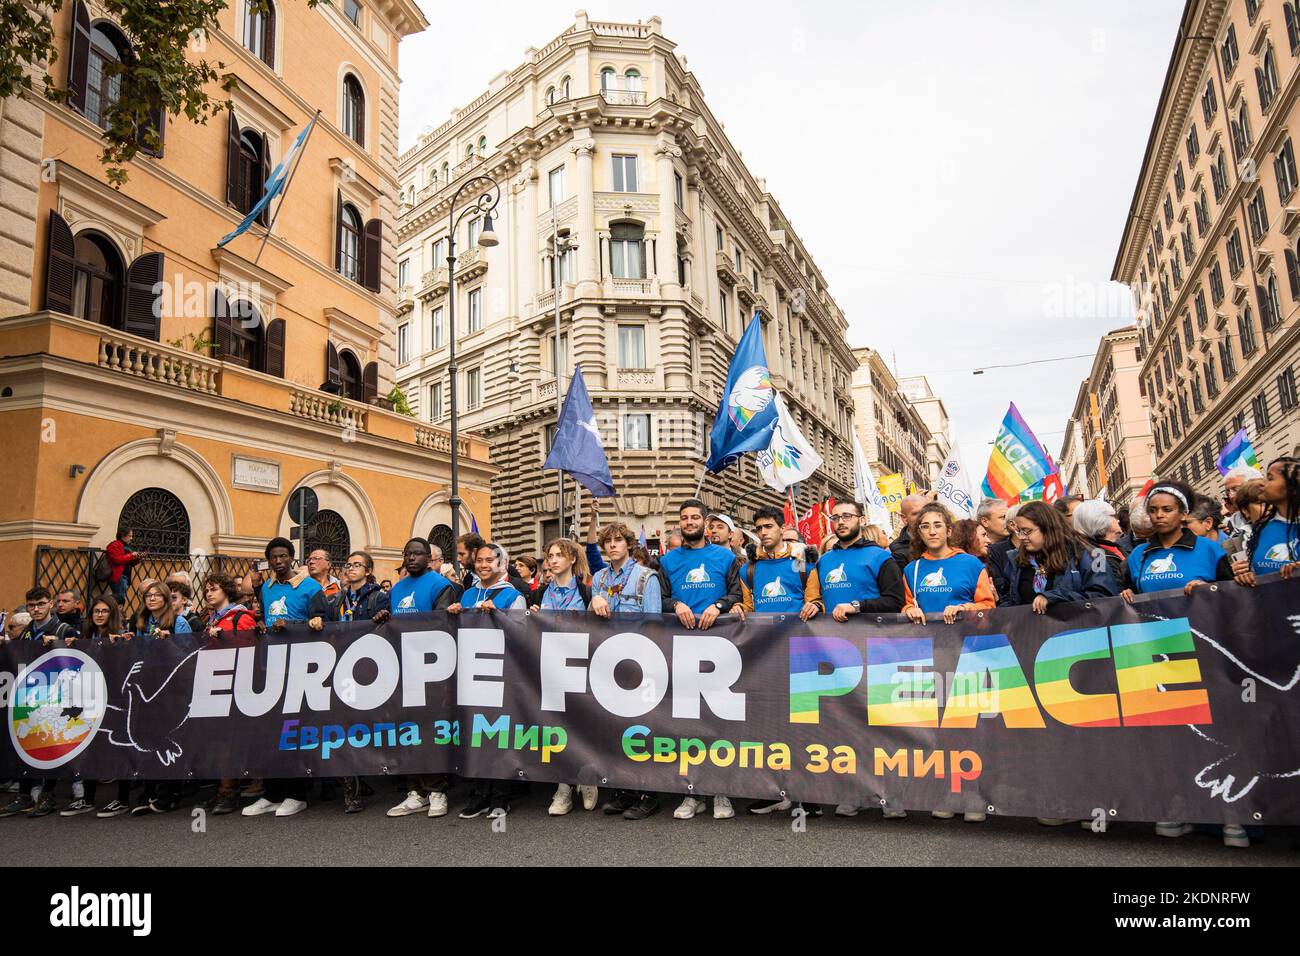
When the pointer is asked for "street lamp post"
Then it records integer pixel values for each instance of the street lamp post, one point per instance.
(485, 204)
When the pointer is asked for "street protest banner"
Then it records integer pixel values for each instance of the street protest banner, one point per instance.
(1173, 708)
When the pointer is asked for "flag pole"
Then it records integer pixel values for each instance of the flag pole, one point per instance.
(288, 182)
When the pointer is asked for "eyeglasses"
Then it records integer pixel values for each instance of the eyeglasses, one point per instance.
(1022, 532)
(353, 566)
(838, 518)
(31, 605)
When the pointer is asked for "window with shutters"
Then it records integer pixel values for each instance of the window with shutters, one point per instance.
(352, 10)
(109, 51)
(249, 183)
(1266, 78)
(1193, 147)
(1236, 258)
(1219, 175)
(1198, 400)
(1286, 391)
(1195, 462)
(1180, 184)
(1291, 14)
(1209, 102)
(1229, 50)
(1259, 408)
(1216, 282)
(1176, 268)
(259, 30)
(1169, 217)
(97, 287)
(245, 344)
(350, 243)
(350, 376)
(354, 110)
(1257, 212)
(1240, 128)
(1177, 344)
(1202, 315)
(625, 180)
(1246, 329)
(1227, 360)
(1189, 248)
(1183, 412)
(1284, 167)
(1189, 338)
(1202, 207)
(1273, 317)
(1211, 378)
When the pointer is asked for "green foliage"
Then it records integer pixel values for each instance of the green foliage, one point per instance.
(196, 342)
(400, 403)
(168, 38)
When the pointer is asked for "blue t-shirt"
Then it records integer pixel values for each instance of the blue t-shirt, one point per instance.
(179, 626)
(417, 595)
(503, 597)
(634, 589)
(1169, 569)
(1278, 546)
(851, 574)
(284, 602)
(937, 585)
(556, 598)
(698, 576)
(777, 586)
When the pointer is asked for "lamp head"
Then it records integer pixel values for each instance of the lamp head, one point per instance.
(487, 239)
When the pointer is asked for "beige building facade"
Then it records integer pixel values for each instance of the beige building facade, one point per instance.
(894, 436)
(605, 133)
(934, 415)
(1210, 245)
(151, 379)
(1109, 446)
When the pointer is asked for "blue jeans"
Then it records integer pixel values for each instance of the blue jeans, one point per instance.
(119, 589)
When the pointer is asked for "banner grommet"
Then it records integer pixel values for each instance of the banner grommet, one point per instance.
(1258, 816)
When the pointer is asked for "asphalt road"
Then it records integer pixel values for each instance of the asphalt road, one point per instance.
(324, 836)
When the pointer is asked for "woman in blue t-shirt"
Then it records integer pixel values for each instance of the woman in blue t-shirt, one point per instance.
(567, 566)
(1275, 539)
(942, 579)
(1174, 558)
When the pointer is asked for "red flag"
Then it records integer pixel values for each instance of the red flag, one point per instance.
(810, 528)
(789, 518)
(1052, 488)
(827, 524)
(1146, 489)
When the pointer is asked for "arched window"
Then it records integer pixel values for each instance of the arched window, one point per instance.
(98, 280)
(607, 76)
(469, 150)
(627, 250)
(350, 243)
(633, 80)
(160, 522)
(103, 84)
(259, 31)
(482, 145)
(249, 185)
(566, 87)
(440, 537)
(350, 376)
(446, 173)
(354, 110)
(550, 96)
(247, 336)
(328, 531)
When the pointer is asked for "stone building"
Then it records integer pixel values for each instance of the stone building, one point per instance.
(604, 136)
(894, 436)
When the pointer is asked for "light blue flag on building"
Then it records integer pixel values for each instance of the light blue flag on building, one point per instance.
(577, 449)
(275, 183)
(747, 414)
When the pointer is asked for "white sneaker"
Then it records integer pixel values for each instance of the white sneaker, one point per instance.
(496, 813)
(846, 810)
(689, 807)
(262, 806)
(941, 814)
(722, 809)
(437, 805)
(974, 817)
(290, 807)
(776, 806)
(1173, 830)
(562, 802)
(895, 814)
(590, 796)
(413, 803)
(1235, 835)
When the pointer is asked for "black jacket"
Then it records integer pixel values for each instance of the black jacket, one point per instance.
(373, 599)
(996, 562)
(901, 548)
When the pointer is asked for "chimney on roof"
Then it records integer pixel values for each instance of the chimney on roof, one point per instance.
(580, 20)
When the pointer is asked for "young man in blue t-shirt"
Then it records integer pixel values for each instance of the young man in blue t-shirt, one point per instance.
(423, 590)
(700, 582)
(286, 599)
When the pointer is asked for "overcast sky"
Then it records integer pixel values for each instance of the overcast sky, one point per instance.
(960, 172)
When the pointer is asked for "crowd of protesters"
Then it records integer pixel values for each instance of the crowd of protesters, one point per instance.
(934, 571)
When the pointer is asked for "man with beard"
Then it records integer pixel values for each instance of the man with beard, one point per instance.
(700, 581)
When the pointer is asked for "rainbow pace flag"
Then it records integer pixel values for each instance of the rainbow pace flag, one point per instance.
(1018, 461)
(1238, 451)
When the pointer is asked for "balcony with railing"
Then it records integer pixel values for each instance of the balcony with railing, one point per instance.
(122, 359)
(471, 264)
(434, 283)
(624, 97)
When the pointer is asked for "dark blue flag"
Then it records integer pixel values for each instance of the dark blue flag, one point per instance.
(577, 449)
(747, 414)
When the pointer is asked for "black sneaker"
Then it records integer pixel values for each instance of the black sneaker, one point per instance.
(500, 807)
(619, 803)
(19, 804)
(647, 806)
(114, 808)
(76, 808)
(352, 804)
(223, 804)
(44, 806)
(476, 807)
(141, 810)
(162, 805)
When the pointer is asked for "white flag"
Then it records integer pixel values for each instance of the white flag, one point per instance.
(788, 458)
(954, 487)
(865, 490)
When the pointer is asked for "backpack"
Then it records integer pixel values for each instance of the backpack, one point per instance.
(103, 570)
(642, 574)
